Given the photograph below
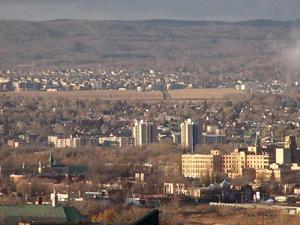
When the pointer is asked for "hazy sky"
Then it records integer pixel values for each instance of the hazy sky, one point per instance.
(224, 10)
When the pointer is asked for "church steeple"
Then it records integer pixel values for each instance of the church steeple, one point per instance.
(257, 144)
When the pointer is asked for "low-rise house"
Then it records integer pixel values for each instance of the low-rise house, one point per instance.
(174, 188)
(211, 139)
(99, 197)
(113, 141)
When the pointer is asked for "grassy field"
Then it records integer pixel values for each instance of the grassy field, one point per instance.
(235, 216)
(182, 94)
(92, 95)
(202, 94)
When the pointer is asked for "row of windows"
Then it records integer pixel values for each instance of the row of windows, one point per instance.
(187, 172)
(227, 162)
(209, 157)
(197, 166)
(202, 161)
(197, 158)
(231, 157)
(225, 165)
(194, 171)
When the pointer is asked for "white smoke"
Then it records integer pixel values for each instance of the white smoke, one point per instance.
(291, 53)
(288, 51)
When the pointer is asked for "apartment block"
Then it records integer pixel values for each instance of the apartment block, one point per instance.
(191, 133)
(195, 165)
(144, 132)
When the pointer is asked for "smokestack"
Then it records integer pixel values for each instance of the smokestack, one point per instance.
(142, 177)
(79, 194)
(54, 200)
(40, 169)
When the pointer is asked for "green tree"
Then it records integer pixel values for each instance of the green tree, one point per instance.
(217, 177)
(207, 178)
(202, 178)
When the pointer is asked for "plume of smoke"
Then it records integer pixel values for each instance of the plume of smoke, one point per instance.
(289, 53)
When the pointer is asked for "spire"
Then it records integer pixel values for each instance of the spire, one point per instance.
(54, 199)
(24, 166)
(257, 140)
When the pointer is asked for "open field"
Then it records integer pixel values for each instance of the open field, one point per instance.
(176, 95)
(208, 215)
(203, 94)
(91, 95)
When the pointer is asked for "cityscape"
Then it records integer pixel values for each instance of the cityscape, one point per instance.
(120, 118)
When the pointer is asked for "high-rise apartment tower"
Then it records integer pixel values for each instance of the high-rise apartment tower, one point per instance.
(144, 132)
(191, 133)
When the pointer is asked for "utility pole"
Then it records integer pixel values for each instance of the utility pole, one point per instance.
(262, 218)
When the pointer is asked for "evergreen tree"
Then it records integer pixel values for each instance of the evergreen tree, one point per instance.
(207, 178)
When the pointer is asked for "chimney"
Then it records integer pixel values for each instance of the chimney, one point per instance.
(54, 200)
(40, 169)
(39, 200)
(79, 194)
(142, 177)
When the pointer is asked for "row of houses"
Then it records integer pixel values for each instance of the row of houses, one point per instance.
(143, 133)
(87, 79)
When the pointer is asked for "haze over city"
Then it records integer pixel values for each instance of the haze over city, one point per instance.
(223, 10)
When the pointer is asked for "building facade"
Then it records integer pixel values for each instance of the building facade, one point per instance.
(196, 165)
(144, 132)
(191, 133)
(290, 143)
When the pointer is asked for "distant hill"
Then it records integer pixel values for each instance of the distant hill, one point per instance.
(139, 45)
(266, 23)
(254, 23)
(161, 22)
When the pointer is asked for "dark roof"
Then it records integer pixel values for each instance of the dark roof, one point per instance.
(57, 164)
(151, 218)
(79, 170)
(73, 215)
(13, 214)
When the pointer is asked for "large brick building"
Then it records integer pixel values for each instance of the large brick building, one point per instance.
(195, 165)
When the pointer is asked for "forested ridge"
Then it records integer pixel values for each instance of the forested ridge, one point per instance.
(164, 45)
